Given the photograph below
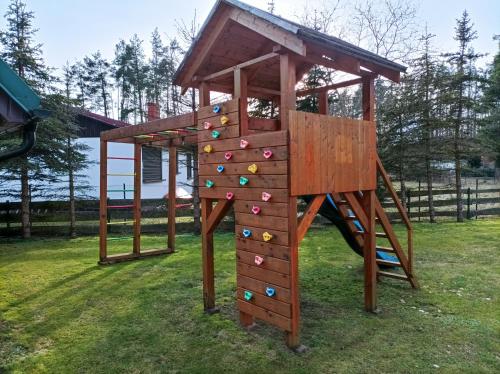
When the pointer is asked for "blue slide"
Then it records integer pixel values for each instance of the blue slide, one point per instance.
(330, 211)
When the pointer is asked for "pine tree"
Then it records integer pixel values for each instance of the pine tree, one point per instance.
(490, 134)
(24, 55)
(462, 105)
(96, 73)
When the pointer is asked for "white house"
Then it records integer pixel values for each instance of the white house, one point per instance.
(154, 165)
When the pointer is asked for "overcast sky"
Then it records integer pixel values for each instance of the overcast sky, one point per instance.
(70, 29)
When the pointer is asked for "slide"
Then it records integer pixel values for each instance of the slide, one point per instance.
(330, 211)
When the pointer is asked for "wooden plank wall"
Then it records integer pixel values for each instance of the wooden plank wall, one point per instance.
(273, 218)
(331, 154)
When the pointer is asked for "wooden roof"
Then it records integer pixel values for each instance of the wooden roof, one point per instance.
(235, 32)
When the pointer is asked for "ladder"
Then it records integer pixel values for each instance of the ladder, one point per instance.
(350, 209)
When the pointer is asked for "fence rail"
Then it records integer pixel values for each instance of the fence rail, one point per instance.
(52, 217)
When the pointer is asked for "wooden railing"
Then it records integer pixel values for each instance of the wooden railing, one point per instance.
(402, 211)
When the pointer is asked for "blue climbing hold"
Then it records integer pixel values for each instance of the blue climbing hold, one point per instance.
(270, 291)
(247, 233)
(220, 169)
(216, 108)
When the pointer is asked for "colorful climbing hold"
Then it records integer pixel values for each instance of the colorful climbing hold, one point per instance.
(256, 209)
(229, 195)
(243, 181)
(208, 148)
(252, 168)
(228, 155)
(209, 183)
(258, 260)
(270, 291)
(207, 125)
(220, 169)
(217, 109)
(244, 143)
(267, 153)
(266, 196)
(248, 295)
(247, 233)
(266, 236)
(224, 120)
(215, 134)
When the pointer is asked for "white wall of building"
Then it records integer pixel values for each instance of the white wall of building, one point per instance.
(148, 190)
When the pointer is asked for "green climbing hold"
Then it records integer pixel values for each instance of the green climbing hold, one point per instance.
(243, 180)
(248, 295)
(215, 134)
(209, 183)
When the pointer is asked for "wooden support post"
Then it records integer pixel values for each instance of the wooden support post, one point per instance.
(137, 198)
(241, 92)
(103, 202)
(323, 102)
(172, 177)
(292, 336)
(368, 98)
(204, 94)
(288, 98)
(308, 216)
(207, 243)
(369, 252)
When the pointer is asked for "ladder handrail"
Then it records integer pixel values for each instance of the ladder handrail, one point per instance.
(393, 193)
(401, 210)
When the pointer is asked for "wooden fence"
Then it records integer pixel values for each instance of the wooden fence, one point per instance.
(52, 217)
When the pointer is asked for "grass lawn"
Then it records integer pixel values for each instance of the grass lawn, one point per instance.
(61, 313)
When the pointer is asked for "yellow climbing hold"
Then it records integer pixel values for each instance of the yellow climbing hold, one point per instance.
(208, 148)
(266, 236)
(224, 120)
(252, 168)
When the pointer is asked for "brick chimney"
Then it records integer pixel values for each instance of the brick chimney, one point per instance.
(153, 111)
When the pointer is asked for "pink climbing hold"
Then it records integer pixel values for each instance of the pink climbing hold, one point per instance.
(256, 209)
(243, 143)
(266, 196)
(228, 155)
(229, 195)
(268, 153)
(258, 260)
(207, 125)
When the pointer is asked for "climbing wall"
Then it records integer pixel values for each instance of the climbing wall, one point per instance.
(251, 171)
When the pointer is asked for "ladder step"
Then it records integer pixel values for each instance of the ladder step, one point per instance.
(388, 263)
(384, 249)
(381, 235)
(342, 202)
(392, 275)
(351, 217)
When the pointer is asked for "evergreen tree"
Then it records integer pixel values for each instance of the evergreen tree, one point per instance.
(462, 106)
(96, 73)
(24, 55)
(491, 108)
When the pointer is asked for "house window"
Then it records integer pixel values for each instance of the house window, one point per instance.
(151, 164)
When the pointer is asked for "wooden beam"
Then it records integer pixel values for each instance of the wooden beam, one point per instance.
(369, 252)
(103, 195)
(288, 100)
(250, 63)
(351, 66)
(207, 243)
(323, 103)
(163, 124)
(209, 40)
(218, 214)
(308, 216)
(137, 198)
(253, 91)
(203, 94)
(267, 29)
(241, 93)
(292, 336)
(334, 86)
(368, 98)
(172, 177)
(357, 208)
(393, 75)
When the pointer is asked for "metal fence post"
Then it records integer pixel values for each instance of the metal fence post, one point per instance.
(477, 194)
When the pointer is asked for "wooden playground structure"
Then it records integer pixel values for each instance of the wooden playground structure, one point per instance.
(262, 167)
